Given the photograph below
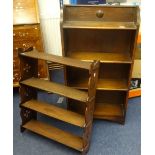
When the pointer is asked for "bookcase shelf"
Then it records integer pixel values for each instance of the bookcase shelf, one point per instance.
(102, 84)
(111, 77)
(108, 34)
(104, 57)
(100, 25)
(105, 110)
(57, 88)
(55, 134)
(31, 106)
(55, 112)
(110, 104)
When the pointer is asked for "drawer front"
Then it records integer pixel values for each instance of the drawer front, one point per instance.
(99, 13)
(26, 32)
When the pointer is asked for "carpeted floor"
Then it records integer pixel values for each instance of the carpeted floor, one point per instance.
(107, 139)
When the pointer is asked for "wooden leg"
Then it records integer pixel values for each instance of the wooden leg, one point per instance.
(22, 129)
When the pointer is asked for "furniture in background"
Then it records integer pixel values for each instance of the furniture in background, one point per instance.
(26, 33)
(30, 105)
(135, 88)
(108, 34)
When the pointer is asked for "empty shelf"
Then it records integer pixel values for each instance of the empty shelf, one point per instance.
(103, 84)
(112, 84)
(100, 25)
(108, 110)
(56, 112)
(57, 59)
(105, 57)
(56, 88)
(55, 134)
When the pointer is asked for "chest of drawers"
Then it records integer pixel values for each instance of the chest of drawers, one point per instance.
(26, 33)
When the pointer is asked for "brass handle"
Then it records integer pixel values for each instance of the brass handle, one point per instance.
(99, 13)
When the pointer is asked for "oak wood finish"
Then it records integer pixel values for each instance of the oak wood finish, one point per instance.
(103, 57)
(30, 81)
(103, 84)
(26, 34)
(111, 13)
(60, 60)
(28, 69)
(110, 104)
(56, 88)
(100, 25)
(108, 34)
(111, 77)
(106, 109)
(55, 112)
(56, 134)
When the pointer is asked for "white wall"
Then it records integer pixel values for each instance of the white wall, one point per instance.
(50, 25)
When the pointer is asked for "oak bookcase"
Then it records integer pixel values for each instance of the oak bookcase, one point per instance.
(30, 106)
(108, 34)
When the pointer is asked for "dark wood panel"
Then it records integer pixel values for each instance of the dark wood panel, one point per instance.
(111, 77)
(117, 71)
(113, 97)
(100, 13)
(93, 40)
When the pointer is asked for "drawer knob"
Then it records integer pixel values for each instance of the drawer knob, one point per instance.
(99, 13)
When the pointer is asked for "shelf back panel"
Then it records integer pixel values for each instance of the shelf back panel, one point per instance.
(108, 41)
(106, 71)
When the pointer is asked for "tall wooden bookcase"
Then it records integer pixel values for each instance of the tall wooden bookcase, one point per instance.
(108, 34)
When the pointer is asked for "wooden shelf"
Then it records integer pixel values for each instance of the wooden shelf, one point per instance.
(100, 25)
(57, 59)
(16, 84)
(55, 134)
(56, 112)
(103, 84)
(102, 56)
(108, 110)
(56, 88)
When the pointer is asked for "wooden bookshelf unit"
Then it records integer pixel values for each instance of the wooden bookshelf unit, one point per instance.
(108, 34)
(30, 105)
